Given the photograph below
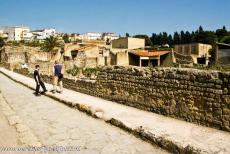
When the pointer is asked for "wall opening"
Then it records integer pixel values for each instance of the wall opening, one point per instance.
(201, 60)
(74, 54)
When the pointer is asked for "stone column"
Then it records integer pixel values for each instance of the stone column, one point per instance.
(140, 62)
(159, 61)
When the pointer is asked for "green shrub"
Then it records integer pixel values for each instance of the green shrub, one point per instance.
(88, 72)
(219, 67)
(74, 72)
(34, 43)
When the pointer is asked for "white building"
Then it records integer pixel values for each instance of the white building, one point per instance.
(16, 33)
(26, 35)
(2, 34)
(44, 33)
(74, 37)
(109, 36)
(91, 36)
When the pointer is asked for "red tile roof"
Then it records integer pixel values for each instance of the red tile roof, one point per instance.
(144, 53)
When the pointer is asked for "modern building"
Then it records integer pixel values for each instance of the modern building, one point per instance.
(109, 37)
(44, 33)
(91, 36)
(16, 33)
(128, 43)
(2, 34)
(222, 53)
(74, 37)
(198, 51)
(27, 35)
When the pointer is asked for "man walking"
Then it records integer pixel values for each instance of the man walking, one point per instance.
(38, 81)
(58, 76)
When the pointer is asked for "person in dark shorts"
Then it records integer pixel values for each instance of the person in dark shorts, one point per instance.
(38, 81)
(57, 78)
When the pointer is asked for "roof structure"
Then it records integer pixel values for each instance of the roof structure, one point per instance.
(194, 43)
(38, 30)
(144, 53)
(223, 44)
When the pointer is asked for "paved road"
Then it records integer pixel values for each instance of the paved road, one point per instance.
(8, 134)
(58, 125)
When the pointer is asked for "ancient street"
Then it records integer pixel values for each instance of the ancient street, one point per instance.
(94, 77)
(54, 123)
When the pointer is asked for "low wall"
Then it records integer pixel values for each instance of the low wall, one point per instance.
(46, 67)
(196, 96)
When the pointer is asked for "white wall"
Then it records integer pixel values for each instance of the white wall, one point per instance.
(15, 33)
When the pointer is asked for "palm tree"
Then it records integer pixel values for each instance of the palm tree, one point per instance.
(50, 43)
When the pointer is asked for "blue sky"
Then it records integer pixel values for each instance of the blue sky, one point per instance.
(119, 16)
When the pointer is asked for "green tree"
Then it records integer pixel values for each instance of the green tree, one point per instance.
(154, 38)
(170, 40)
(148, 42)
(201, 29)
(66, 38)
(207, 37)
(160, 39)
(225, 39)
(50, 43)
(127, 35)
(176, 38)
(182, 37)
(34, 43)
(2, 42)
(164, 38)
(187, 37)
(198, 36)
(193, 37)
(221, 33)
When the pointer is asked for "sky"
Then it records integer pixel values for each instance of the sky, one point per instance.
(119, 16)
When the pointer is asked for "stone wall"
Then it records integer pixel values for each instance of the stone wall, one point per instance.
(122, 58)
(197, 96)
(16, 57)
(46, 67)
(23, 54)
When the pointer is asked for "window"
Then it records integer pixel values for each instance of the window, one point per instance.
(193, 50)
(186, 50)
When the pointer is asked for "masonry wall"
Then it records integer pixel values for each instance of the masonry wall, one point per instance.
(121, 43)
(46, 67)
(17, 57)
(196, 96)
(122, 58)
(23, 54)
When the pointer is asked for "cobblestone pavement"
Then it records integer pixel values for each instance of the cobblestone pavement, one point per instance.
(58, 125)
